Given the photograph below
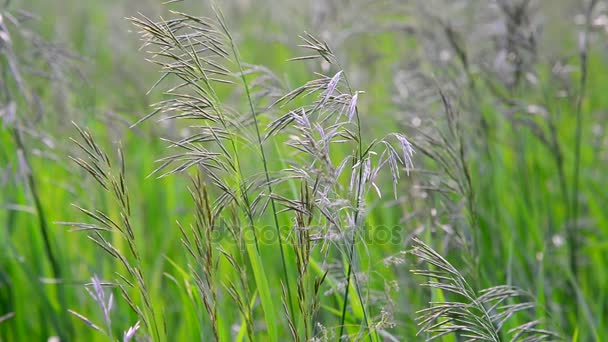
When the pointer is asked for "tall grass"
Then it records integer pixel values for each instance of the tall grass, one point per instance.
(275, 209)
(193, 54)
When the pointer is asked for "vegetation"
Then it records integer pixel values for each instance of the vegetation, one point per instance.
(346, 170)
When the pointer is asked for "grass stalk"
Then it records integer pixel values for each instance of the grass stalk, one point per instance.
(351, 253)
(263, 155)
(65, 331)
(583, 60)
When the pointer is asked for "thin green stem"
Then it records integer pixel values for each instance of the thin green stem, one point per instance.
(31, 183)
(222, 119)
(351, 253)
(265, 163)
(583, 56)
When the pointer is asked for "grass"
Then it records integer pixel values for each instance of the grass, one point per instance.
(272, 201)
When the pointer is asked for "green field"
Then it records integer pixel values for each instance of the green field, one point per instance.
(315, 170)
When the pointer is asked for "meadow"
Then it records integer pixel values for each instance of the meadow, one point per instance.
(256, 170)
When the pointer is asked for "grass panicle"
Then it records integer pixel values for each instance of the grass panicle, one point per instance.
(477, 315)
(131, 282)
